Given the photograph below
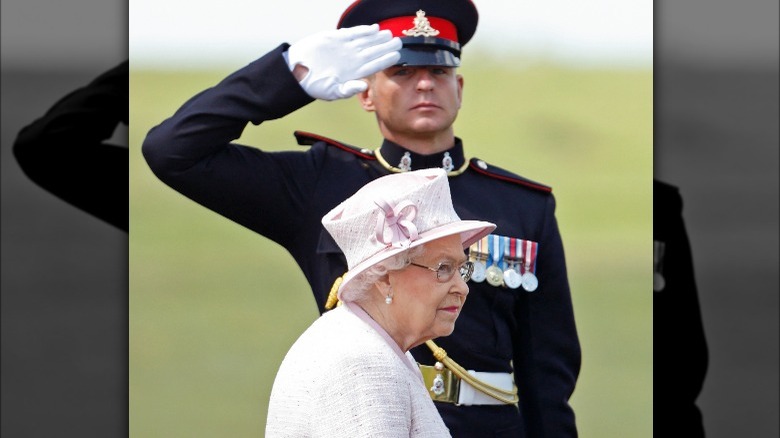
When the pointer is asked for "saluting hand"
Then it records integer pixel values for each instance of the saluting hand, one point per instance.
(335, 61)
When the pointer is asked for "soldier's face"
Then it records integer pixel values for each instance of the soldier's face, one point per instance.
(414, 100)
(423, 307)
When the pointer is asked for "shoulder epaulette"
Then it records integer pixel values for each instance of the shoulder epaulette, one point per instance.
(482, 167)
(308, 139)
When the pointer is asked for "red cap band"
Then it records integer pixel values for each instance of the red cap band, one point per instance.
(397, 25)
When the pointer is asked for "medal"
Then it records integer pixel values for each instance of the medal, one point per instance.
(495, 275)
(529, 280)
(659, 282)
(511, 274)
(480, 272)
(512, 278)
(478, 257)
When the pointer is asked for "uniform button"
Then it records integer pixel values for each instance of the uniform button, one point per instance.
(367, 151)
(482, 164)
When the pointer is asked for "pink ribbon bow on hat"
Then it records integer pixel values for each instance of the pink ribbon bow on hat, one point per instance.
(396, 228)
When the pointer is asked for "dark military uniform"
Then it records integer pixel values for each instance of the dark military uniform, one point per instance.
(680, 349)
(283, 196)
(65, 150)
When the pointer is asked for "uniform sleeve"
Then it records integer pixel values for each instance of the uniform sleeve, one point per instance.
(556, 354)
(66, 152)
(193, 150)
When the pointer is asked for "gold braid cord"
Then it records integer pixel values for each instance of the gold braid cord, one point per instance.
(508, 397)
(394, 169)
(333, 296)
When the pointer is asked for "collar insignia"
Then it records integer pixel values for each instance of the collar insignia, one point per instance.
(406, 162)
(446, 162)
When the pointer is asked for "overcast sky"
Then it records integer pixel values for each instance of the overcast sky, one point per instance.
(187, 31)
(190, 32)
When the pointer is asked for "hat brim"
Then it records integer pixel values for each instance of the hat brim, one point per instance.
(470, 231)
(419, 57)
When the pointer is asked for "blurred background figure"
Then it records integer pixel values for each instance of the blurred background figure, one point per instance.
(68, 151)
(64, 311)
(64, 261)
(716, 139)
(679, 344)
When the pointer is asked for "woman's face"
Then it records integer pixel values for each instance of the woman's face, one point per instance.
(424, 307)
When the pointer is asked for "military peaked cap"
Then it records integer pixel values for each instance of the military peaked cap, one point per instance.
(432, 31)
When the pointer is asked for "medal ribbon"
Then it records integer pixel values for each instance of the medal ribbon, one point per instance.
(529, 249)
(496, 250)
(478, 250)
(510, 251)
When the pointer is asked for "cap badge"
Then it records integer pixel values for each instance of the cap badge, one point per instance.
(422, 27)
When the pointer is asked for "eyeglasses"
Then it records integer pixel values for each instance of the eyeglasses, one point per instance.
(444, 271)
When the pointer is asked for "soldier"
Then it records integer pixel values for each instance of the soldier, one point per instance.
(58, 151)
(679, 345)
(512, 362)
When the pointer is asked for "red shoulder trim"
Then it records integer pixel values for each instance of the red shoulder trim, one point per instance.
(308, 139)
(503, 175)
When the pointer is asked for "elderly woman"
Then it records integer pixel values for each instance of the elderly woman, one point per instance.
(350, 373)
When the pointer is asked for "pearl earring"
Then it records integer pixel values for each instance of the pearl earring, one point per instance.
(388, 299)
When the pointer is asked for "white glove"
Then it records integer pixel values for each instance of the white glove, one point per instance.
(338, 59)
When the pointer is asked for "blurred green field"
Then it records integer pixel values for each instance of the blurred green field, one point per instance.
(214, 307)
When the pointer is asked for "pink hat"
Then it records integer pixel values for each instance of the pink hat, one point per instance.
(394, 213)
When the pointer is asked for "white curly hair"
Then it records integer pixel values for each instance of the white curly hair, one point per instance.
(364, 282)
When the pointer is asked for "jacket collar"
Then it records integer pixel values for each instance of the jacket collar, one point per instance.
(397, 158)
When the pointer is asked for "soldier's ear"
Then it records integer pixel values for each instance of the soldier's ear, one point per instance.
(366, 99)
(459, 79)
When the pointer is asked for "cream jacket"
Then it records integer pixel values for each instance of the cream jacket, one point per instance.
(345, 377)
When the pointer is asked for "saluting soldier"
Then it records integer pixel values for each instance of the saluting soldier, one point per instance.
(58, 150)
(512, 362)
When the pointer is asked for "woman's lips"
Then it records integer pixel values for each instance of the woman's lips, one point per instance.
(450, 309)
